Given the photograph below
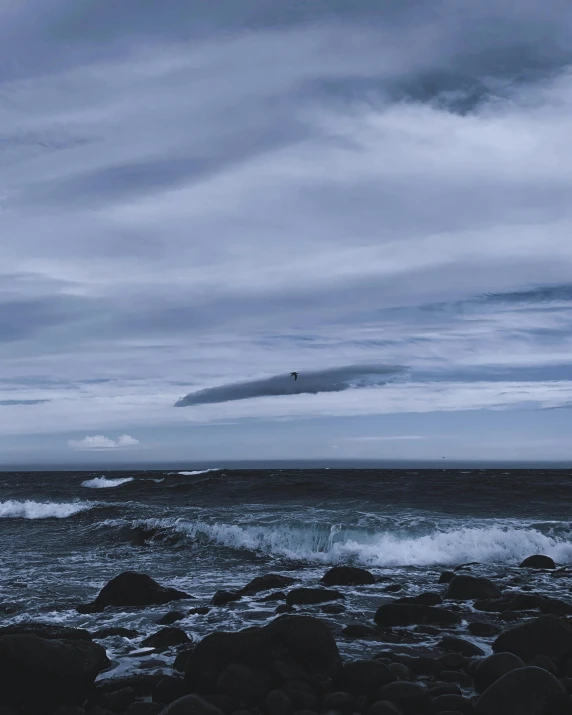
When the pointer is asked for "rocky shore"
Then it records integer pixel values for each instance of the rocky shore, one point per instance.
(498, 651)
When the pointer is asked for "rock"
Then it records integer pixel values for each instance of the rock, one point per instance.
(401, 672)
(104, 633)
(278, 703)
(364, 677)
(143, 708)
(131, 589)
(446, 577)
(61, 710)
(284, 608)
(246, 686)
(340, 702)
(525, 602)
(311, 596)
(117, 701)
(274, 596)
(221, 598)
(404, 614)
(392, 588)
(538, 561)
(169, 689)
(47, 631)
(333, 608)
(222, 702)
(547, 635)
(141, 684)
(360, 630)
(200, 611)
(165, 638)
(494, 667)
(444, 689)
(420, 665)
(180, 663)
(49, 670)
(411, 698)
(266, 583)
(482, 629)
(302, 641)
(524, 691)
(347, 576)
(170, 618)
(464, 588)
(423, 599)
(456, 676)
(453, 703)
(453, 661)
(458, 645)
(543, 661)
(383, 707)
(301, 695)
(191, 705)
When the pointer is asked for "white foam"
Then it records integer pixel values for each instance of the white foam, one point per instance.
(40, 510)
(103, 483)
(486, 544)
(201, 471)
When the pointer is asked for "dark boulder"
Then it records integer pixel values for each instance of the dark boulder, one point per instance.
(360, 630)
(278, 703)
(525, 691)
(200, 611)
(266, 583)
(538, 561)
(284, 608)
(405, 614)
(411, 698)
(144, 708)
(170, 618)
(104, 633)
(245, 686)
(458, 645)
(364, 677)
(482, 629)
(340, 702)
(333, 608)
(423, 599)
(117, 701)
(180, 663)
(169, 689)
(301, 641)
(446, 577)
(347, 576)
(191, 705)
(165, 638)
(221, 598)
(524, 602)
(134, 590)
(274, 596)
(547, 635)
(311, 596)
(464, 588)
(222, 702)
(453, 704)
(48, 631)
(50, 671)
(383, 707)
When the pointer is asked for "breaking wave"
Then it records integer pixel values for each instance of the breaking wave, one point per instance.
(496, 543)
(103, 483)
(40, 510)
(200, 471)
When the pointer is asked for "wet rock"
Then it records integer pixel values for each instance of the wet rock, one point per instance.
(453, 661)
(525, 691)
(482, 629)
(61, 710)
(104, 633)
(333, 608)
(47, 631)
(490, 669)
(420, 665)
(538, 561)
(364, 677)
(548, 635)
(311, 596)
(464, 588)
(131, 589)
(301, 695)
(169, 689)
(360, 630)
(284, 608)
(117, 701)
(403, 614)
(392, 588)
(246, 686)
(427, 630)
(456, 676)
(524, 602)
(543, 661)
(302, 641)
(347, 576)
(221, 598)
(170, 618)
(191, 705)
(458, 645)
(200, 611)
(446, 577)
(183, 656)
(423, 599)
(165, 638)
(266, 583)
(453, 703)
(340, 702)
(444, 689)
(401, 672)
(274, 596)
(144, 708)
(53, 671)
(411, 698)
(383, 707)
(222, 702)
(278, 703)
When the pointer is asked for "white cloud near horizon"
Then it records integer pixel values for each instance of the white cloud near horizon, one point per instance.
(99, 441)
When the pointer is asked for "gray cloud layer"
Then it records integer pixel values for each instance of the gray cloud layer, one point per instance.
(335, 379)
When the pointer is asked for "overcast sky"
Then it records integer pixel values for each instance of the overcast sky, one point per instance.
(198, 198)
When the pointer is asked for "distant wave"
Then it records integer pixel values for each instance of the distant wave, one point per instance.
(200, 471)
(40, 510)
(322, 544)
(103, 483)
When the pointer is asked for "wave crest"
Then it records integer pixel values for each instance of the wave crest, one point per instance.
(40, 510)
(103, 483)
(199, 471)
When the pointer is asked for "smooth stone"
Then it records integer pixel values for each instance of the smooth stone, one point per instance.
(104, 633)
(266, 583)
(170, 618)
(383, 707)
(311, 596)
(278, 703)
(464, 587)
(169, 689)
(494, 667)
(482, 629)
(538, 561)
(246, 686)
(221, 598)
(165, 638)
(404, 614)
(458, 645)
(525, 691)
(200, 611)
(340, 702)
(547, 635)
(453, 703)
(446, 577)
(47, 631)
(423, 599)
(347, 576)
(411, 698)
(364, 676)
(191, 705)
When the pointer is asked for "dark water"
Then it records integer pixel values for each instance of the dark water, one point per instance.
(63, 535)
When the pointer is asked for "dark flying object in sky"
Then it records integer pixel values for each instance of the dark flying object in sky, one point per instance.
(294, 375)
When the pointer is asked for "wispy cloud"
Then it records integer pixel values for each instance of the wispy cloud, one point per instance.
(9, 403)
(312, 382)
(385, 438)
(99, 441)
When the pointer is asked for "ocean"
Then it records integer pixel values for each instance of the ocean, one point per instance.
(63, 535)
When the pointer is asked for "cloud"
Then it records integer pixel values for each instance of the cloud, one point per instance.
(313, 382)
(385, 438)
(98, 441)
(10, 403)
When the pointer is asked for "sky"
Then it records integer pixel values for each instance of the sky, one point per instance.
(199, 198)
